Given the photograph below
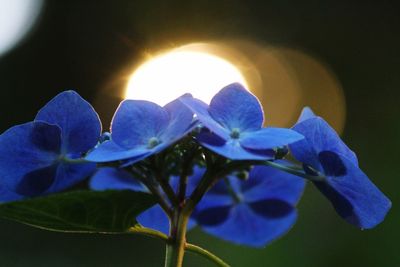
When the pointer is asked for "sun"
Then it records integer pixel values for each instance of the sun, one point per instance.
(170, 75)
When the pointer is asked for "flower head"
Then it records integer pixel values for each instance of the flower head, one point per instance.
(235, 118)
(141, 128)
(252, 212)
(43, 156)
(353, 195)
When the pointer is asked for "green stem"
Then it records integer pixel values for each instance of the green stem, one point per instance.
(188, 247)
(182, 187)
(206, 254)
(231, 191)
(153, 189)
(295, 171)
(157, 170)
(166, 187)
(210, 178)
(148, 232)
(176, 244)
(205, 183)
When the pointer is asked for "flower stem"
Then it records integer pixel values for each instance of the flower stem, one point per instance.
(188, 247)
(148, 232)
(206, 254)
(295, 171)
(176, 243)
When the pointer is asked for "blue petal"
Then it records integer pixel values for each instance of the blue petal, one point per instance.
(272, 208)
(267, 138)
(180, 120)
(219, 195)
(110, 151)
(69, 174)
(269, 183)
(54, 178)
(319, 136)
(230, 149)
(212, 216)
(37, 182)
(147, 153)
(306, 114)
(355, 197)
(332, 164)
(245, 227)
(194, 179)
(268, 198)
(221, 188)
(6, 195)
(80, 125)
(235, 107)
(154, 218)
(108, 178)
(211, 200)
(201, 110)
(136, 121)
(27, 148)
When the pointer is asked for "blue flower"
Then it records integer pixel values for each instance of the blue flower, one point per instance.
(7, 195)
(252, 212)
(235, 119)
(355, 198)
(108, 178)
(44, 156)
(140, 128)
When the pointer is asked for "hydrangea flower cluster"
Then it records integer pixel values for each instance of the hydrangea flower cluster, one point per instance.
(213, 166)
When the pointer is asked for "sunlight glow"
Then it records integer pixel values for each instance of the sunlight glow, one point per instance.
(170, 75)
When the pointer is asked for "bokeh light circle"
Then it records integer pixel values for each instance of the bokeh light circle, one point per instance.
(17, 18)
(183, 70)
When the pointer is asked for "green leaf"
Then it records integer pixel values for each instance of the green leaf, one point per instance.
(80, 211)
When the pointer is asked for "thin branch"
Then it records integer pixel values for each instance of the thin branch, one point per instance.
(293, 170)
(166, 187)
(155, 191)
(209, 179)
(186, 168)
(148, 232)
(206, 254)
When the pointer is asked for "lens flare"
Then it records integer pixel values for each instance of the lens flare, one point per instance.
(170, 75)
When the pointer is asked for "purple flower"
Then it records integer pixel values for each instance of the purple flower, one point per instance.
(352, 194)
(235, 118)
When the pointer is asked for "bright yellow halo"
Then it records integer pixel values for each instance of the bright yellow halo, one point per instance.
(168, 76)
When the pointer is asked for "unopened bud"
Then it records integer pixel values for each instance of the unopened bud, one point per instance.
(242, 175)
(281, 152)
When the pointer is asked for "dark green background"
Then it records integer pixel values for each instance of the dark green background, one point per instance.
(85, 44)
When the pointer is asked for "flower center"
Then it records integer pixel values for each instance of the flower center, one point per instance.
(235, 133)
(153, 142)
